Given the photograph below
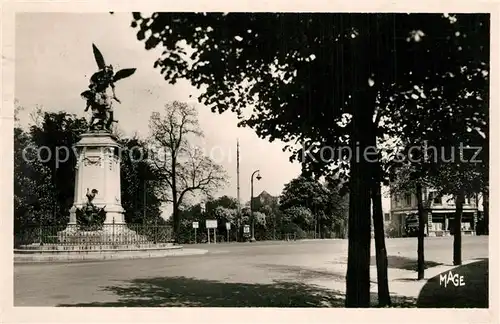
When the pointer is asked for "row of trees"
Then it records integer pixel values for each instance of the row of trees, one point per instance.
(345, 79)
(305, 207)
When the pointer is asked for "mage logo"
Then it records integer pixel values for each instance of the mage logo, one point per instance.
(455, 279)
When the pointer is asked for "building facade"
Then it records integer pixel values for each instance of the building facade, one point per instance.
(439, 214)
(265, 198)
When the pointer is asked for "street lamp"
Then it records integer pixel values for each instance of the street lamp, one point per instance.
(202, 209)
(144, 203)
(252, 239)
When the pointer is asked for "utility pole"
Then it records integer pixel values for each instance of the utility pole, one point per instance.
(238, 189)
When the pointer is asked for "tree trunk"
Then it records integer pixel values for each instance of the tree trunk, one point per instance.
(486, 214)
(457, 236)
(176, 221)
(175, 215)
(363, 133)
(359, 237)
(421, 233)
(358, 260)
(384, 298)
(315, 226)
(319, 228)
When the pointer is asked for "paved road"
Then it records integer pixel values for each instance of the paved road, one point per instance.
(275, 274)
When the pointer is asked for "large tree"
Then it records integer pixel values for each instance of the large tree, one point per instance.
(54, 134)
(224, 209)
(223, 201)
(326, 204)
(141, 195)
(410, 179)
(438, 121)
(460, 180)
(301, 73)
(178, 165)
(33, 199)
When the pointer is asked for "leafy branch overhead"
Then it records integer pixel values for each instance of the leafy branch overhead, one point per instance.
(292, 77)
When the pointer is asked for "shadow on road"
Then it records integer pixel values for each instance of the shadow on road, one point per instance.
(303, 273)
(404, 263)
(474, 293)
(189, 292)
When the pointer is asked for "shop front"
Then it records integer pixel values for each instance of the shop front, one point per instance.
(438, 223)
(442, 223)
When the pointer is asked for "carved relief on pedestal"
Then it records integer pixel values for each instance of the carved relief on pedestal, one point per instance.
(109, 154)
(92, 160)
(79, 157)
(109, 151)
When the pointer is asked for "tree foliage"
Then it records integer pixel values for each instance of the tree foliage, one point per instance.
(440, 118)
(223, 201)
(54, 135)
(142, 195)
(297, 70)
(33, 199)
(324, 201)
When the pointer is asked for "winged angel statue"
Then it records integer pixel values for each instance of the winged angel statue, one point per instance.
(101, 92)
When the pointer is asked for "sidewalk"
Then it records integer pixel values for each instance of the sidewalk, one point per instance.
(429, 292)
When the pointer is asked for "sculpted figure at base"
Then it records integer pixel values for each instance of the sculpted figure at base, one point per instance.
(101, 93)
(90, 217)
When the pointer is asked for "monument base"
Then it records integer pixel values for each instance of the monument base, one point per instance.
(108, 234)
(97, 187)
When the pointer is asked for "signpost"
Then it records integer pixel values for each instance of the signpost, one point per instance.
(228, 228)
(196, 225)
(246, 231)
(211, 223)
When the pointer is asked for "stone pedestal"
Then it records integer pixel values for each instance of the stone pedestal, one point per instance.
(98, 167)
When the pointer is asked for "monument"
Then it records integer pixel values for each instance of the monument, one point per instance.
(97, 195)
(97, 229)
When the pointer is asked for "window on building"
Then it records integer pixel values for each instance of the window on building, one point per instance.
(387, 217)
(396, 200)
(408, 199)
(437, 200)
(431, 196)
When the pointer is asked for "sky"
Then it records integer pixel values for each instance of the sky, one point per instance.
(54, 61)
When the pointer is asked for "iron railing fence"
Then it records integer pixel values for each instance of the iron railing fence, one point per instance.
(126, 234)
(187, 236)
(106, 234)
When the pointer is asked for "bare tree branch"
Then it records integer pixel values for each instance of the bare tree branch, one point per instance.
(184, 169)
